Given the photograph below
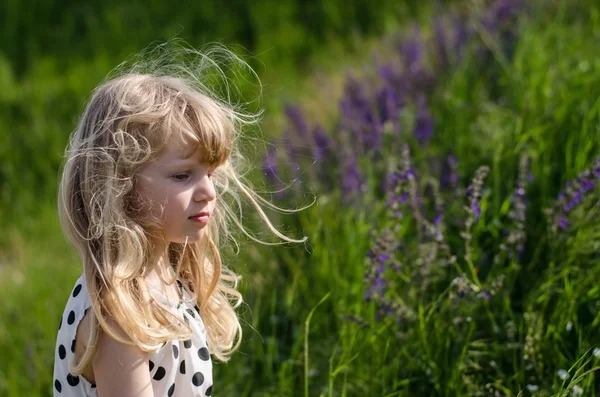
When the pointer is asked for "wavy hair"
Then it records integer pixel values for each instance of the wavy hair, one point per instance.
(126, 123)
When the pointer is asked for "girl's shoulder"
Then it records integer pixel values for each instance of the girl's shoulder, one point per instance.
(77, 306)
(75, 309)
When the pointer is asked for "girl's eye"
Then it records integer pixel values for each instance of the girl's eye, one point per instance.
(181, 177)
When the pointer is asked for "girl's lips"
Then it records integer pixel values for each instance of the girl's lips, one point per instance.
(200, 218)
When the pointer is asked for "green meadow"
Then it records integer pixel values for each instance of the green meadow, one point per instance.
(450, 153)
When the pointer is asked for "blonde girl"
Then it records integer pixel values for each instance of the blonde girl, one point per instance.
(151, 175)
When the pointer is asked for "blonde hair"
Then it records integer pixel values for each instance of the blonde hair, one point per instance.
(127, 121)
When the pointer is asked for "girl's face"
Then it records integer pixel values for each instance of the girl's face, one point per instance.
(180, 192)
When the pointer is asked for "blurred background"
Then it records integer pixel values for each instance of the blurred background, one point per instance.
(452, 150)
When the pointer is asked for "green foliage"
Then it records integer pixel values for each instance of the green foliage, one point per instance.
(543, 319)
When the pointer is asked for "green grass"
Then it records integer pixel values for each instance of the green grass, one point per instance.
(304, 304)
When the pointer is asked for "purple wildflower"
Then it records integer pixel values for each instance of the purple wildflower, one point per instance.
(322, 143)
(269, 164)
(359, 118)
(504, 11)
(449, 178)
(296, 117)
(424, 125)
(379, 260)
(271, 172)
(476, 209)
(412, 51)
(294, 153)
(474, 191)
(389, 104)
(573, 194)
(351, 179)
(563, 223)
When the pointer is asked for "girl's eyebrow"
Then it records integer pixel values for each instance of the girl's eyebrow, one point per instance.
(182, 163)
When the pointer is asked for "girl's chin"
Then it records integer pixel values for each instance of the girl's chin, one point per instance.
(190, 238)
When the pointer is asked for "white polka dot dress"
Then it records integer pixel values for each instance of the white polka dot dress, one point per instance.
(178, 369)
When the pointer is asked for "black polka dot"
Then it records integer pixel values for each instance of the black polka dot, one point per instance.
(57, 386)
(151, 364)
(73, 346)
(171, 390)
(197, 308)
(187, 343)
(191, 312)
(175, 351)
(182, 367)
(71, 318)
(198, 379)
(203, 353)
(187, 321)
(60, 324)
(77, 290)
(62, 352)
(160, 373)
(73, 380)
(209, 391)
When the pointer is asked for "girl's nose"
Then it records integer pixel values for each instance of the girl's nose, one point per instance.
(205, 190)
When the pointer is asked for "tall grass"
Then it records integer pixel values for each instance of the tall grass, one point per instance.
(472, 314)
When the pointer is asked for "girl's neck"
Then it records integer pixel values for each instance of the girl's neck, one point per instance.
(158, 278)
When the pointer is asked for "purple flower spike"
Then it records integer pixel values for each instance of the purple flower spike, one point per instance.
(269, 164)
(388, 103)
(588, 185)
(322, 143)
(271, 171)
(360, 118)
(572, 195)
(563, 223)
(476, 210)
(424, 127)
(386, 72)
(351, 180)
(296, 117)
(412, 50)
(474, 192)
(506, 10)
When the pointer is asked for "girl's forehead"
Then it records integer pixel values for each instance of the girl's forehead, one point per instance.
(178, 148)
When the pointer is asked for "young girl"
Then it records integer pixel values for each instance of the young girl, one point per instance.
(143, 199)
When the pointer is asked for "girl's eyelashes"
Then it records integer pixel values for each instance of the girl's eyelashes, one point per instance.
(184, 176)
